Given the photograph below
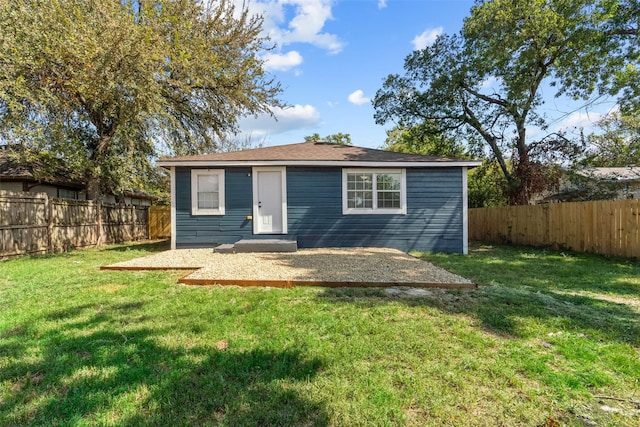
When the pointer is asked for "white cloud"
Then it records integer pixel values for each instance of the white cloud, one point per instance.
(580, 120)
(382, 4)
(358, 98)
(297, 21)
(288, 118)
(427, 38)
(488, 82)
(282, 61)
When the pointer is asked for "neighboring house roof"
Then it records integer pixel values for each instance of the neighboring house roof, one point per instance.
(315, 153)
(600, 183)
(630, 173)
(13, 171)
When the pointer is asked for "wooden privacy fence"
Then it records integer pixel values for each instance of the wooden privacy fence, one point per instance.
(159, 222)
(608, 227)
(34, 223)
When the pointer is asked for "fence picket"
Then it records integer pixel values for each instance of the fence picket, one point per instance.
(33, 223)
(159, 222)
(609, 227)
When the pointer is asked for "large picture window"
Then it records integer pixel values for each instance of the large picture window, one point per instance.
(207, 192)
(374, 191)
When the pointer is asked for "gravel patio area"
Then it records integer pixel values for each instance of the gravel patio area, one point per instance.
(321, 267)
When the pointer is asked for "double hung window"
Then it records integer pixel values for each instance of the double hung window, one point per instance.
(374, 191)
(207, 192)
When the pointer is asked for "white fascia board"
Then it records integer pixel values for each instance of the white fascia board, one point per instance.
(341, 163)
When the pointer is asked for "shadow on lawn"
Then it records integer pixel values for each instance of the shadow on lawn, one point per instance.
(91, 367)
(500, 310)
(543, 269)
(155, 246)
(564, 291)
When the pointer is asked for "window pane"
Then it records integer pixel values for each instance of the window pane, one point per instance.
(351, 181)
(207, 183)
(360, 199)
(389, 181)
(208, 200)
(359, 181)
(67, 194)
(389, 199)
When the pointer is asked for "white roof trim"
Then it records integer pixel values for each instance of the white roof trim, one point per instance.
(345, 163)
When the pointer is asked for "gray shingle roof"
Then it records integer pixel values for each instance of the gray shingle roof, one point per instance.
(14, 170)
(630, 173)
(311, 151)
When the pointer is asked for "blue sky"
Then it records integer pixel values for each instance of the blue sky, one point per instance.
(333, 55)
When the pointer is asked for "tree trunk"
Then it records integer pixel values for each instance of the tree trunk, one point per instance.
(522, 185)
(93, 185)
(97, 158)
(530, 179)
(94, 195)
(519, 191)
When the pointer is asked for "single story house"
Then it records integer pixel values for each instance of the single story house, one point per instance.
(16, 176)
(596, 183)
(625, 181)
(321, 195)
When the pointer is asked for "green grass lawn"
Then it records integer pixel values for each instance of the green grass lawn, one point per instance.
(548, 337)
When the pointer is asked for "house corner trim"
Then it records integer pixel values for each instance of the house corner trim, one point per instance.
(172, 173)
(465, 212)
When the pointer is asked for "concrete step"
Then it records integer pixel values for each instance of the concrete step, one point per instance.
(265, 245)
(227, 248)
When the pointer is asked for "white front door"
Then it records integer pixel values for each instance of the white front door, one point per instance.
(269, 201)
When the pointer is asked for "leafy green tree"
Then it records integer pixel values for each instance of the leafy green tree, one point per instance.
(106, 84)
(616, 144)
(484, 84)
(334, 138)
(424, 139)
(487, 186)
(607, 54)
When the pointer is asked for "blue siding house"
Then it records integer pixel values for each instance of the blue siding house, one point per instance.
(322, 195)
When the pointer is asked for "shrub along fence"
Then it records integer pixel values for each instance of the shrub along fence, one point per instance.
(33, 223)
(608, 227)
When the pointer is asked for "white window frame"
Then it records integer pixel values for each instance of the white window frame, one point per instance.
(195, 173)
(375, 210)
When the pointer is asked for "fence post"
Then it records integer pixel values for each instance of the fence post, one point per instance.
(48, 217)
(98, 205)
(133, 224)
